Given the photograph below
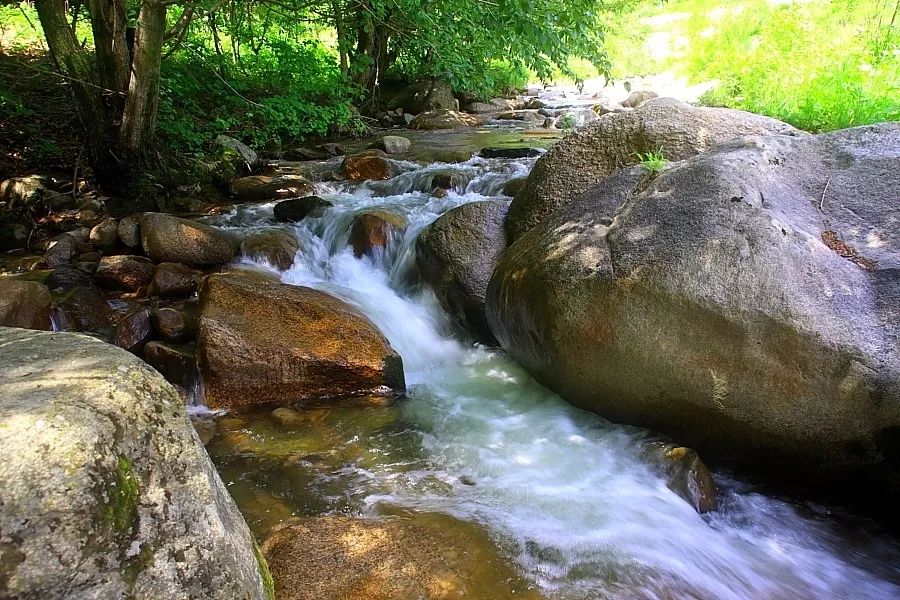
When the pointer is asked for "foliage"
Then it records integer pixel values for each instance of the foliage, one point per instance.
(817, 65)
(654, 162)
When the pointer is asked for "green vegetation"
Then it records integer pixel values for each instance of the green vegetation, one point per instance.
(264, 572)
(654, 162)
(817, 65)
(123, 493)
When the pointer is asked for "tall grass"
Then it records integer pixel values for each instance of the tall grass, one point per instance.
(817, 64)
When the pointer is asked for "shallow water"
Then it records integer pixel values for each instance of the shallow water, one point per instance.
(563, 493)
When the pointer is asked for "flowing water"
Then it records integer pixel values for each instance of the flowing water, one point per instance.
(565, 494)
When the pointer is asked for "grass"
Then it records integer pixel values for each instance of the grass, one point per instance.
(654, 162)
(819, 65)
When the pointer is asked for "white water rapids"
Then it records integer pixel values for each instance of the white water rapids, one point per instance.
(563, 491)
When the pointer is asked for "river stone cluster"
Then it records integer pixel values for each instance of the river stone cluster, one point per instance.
(106, 490)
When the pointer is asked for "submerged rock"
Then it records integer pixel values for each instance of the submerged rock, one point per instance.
(597, 150)
(169, 239)
(427, 557)
(269, 343)
(743, 300)
(456, 256)
(107, 493)
(24, 304)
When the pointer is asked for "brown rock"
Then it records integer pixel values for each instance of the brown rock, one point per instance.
(170, 324)
(169, 239)
(270, 343)
(257, 188)
(105, 235)
(445, 119)
(176, 363)
(427, 557)
(84, 309)
(125, 272)
(362, 168)
(276, 246)
(24, 304)
(685, 473)
(373, 229)
(174, 279)
(133, 330)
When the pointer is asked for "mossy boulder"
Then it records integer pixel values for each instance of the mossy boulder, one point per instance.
(107, 492)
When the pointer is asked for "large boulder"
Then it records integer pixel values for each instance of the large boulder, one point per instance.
(444, 119)
(169, 239)
(259, 188)
(744, 300)
(107, 492)
(365, 167)
(598, 149)
(24, 304)
(268, 343)
(425, 557)
(426, 94)
(456, 256)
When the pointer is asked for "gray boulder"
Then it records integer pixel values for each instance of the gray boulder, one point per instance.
(456, 256)
(424, 95)
(746, 300)
(392, 144)
(247, 154)
(595, 151)
(107, 491)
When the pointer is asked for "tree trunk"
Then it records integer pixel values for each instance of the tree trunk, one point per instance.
(139, 116)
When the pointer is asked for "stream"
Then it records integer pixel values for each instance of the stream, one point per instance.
(564, 494)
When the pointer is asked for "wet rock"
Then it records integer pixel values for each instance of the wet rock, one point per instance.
(365, 167)
(24, 304)
(481, 108)
(595, 151)
(456, 256)
(287, 417)
(638, 98)
(95, 446)
(270, 343)
(171, 324)
(393, 144)
(427, 557)
(275, 246)
(133, 330)
(174, 279)
(178, 364)
(66, 277)
(130, 231)
(535, 104)
(444, 119)
(448, 180)
(374, 229)
(297, 209)
(105, 235)
(756, 319)
(258, 188)
(684, 472)
(121, 272)
(83, 309)
(509, 152)
(60, 250)
(169, 239)
(426, 94)
(19, 192)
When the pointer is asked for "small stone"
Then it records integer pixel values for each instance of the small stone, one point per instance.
(393, 144)
(134, 330)
(176, 363)
(170, 324)
(129, 273)
(277, 247)
(296, 209)
(60, 250)
(130, 231)
(287, 416)
(105, 235)
(363, 168)
(174, 279)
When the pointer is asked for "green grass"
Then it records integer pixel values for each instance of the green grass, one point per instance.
(654, 162)
(819, 65)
